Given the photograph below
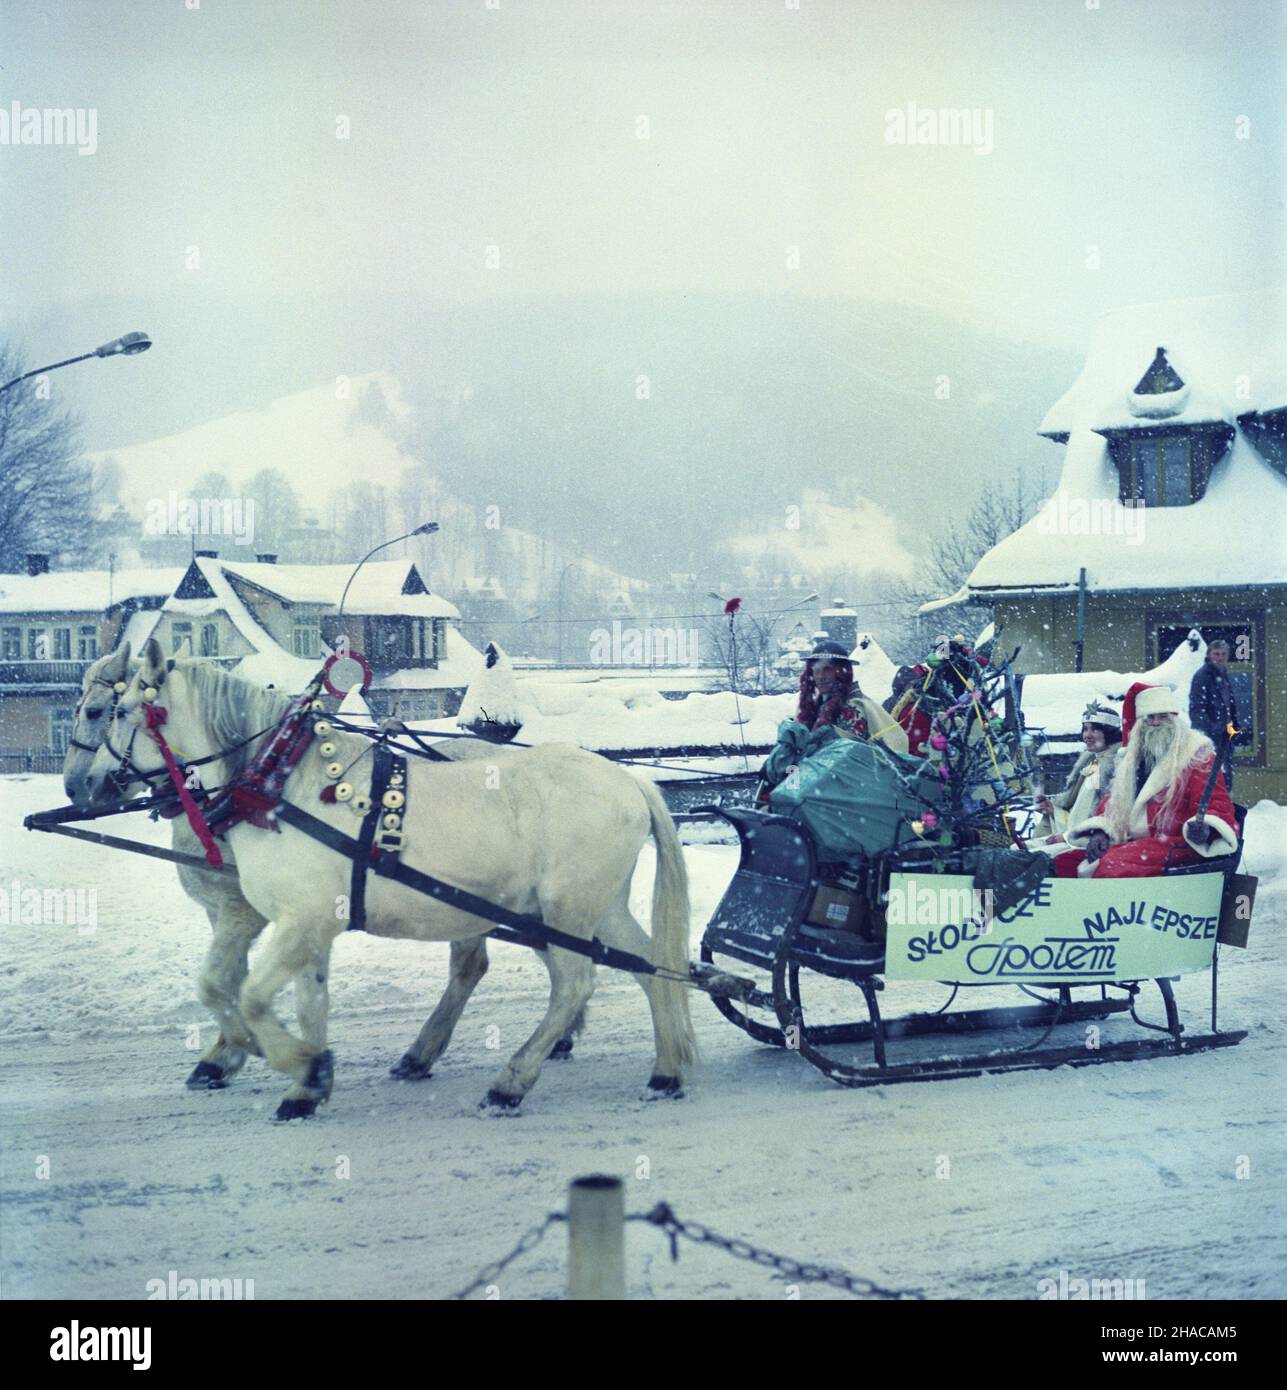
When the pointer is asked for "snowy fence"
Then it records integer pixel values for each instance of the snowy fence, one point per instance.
(596, 1220)
(30, 760)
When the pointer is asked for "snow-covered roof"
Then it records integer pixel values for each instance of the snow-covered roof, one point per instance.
(1231, 354)
(493, 693)
(377, 589)
(268, 663)
(82, 591)
(140, 627)
(1056, 703)
(962, 595)
(622, 714)
(1230, 350)
(1233, 535)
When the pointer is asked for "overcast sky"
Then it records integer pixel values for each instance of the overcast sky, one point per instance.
(1110, 126)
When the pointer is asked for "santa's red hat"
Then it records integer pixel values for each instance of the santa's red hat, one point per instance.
(1142, 700)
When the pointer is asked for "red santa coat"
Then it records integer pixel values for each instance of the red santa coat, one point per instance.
(1156, 835)
(916, 725)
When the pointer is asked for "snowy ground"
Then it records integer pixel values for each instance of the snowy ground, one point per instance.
(975, 1189)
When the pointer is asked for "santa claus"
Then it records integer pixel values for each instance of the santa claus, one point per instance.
(1149, 820)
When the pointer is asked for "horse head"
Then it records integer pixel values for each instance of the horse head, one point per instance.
(105, 682)
(127, 753)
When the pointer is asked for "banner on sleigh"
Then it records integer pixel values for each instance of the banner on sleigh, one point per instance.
(1069, 931)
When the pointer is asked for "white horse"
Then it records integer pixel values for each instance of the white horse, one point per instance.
(234, 923)
(554, 831)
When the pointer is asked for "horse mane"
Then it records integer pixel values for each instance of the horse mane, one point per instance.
(235, 706)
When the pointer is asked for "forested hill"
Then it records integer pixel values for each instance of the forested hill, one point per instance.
(663, 423)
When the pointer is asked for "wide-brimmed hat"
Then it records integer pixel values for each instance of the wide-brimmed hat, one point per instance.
(829, 651)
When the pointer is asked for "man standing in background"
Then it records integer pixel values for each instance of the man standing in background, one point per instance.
(1212, 706)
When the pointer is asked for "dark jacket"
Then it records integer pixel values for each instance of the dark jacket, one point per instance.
(1211, 701)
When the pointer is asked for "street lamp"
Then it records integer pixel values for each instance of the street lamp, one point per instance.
(128, 346)
(427, 529)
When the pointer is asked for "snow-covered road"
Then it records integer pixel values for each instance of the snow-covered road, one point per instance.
(113, 1174)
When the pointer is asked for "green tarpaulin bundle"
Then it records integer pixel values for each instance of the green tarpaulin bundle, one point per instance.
(852, 796)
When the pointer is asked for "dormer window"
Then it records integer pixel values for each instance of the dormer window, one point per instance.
(1165, 443)
(1158, 470)
(1161, 379)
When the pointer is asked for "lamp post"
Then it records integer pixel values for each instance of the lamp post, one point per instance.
(128, 346)
(427, 529)
(563, 574)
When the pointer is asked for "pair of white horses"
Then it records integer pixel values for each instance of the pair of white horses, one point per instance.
(553, 831)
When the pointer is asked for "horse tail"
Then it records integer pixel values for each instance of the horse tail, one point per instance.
(670, 924)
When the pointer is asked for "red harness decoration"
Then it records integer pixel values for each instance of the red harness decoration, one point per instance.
(155, 716)
(254, 794)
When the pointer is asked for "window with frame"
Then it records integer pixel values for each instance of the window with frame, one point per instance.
(1160, 470)
(86, 643)
(181, 639)
(11, 643)
(37, 644)
(209, 639)
(62, 644)
(61, 719)
(306, 638)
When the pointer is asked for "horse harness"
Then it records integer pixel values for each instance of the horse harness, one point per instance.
(257, 796)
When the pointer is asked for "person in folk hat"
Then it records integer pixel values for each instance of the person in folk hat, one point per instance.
(831, 705)
(1148, 821)
(1091, 776)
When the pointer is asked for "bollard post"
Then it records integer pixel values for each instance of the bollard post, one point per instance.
(596, 1238)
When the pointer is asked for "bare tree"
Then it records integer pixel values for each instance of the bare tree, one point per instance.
(999, 510)
(746, 650)
(45, 487)
(277, 509)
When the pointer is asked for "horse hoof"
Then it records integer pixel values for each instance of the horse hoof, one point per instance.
(498, 1103)
(664, 1088)
(408, 1068)
(206, 1076)
(561, 1049)
(321, 1075)
(296, 1109)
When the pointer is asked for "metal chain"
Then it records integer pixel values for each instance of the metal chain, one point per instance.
(662, 1216)
(528, 1242)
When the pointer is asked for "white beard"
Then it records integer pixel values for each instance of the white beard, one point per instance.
(1167, 750)
(1156, 742)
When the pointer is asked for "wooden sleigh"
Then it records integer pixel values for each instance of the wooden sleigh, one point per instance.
(769, 919)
